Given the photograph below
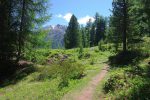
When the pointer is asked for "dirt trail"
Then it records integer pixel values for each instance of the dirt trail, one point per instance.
(88, 91)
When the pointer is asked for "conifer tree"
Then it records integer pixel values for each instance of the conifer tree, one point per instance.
(92, 36)
(18, 20)
(146, 15)
(88, 32)
(120, 20)
(100, 24)
(72, 37)
(84, 38)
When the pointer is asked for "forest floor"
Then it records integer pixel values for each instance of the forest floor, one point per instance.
(88, 91)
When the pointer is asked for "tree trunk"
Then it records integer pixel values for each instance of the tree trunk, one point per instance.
(21, 31)
(125, 26)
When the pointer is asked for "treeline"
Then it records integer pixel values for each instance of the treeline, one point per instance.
(85, 36)
(129, 22)
(19, 22)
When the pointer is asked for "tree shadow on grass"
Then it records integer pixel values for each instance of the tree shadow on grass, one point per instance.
(132, 59)
(12, 73)
(126, 58)
(143, 91)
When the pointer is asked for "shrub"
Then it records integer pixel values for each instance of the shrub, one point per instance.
(140, 91)
(65, 70)
(96, 50)
(37, 56)
(100, 45)
(87, 55)
(46, 73)
(92, 61)
(113, 83)
(128, 83)
(80, 52)
(148, 70)
(70, 70)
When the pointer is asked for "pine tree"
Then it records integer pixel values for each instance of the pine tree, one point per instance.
(114, 35)
(7, 33)
(120, 20)
(97, 34)
(84, 38)
(92, 36)
(88, 32)
(100, 24)
(146, 15)
(72, 37)
(130, 21)
(96, 18)
(28, 20)
(135, 23)
(18, 20)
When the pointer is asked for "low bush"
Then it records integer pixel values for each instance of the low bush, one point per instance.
(92, 61)
(87, 55)
(65, 70)
(130, 82)
(38, 56)
(80, 53)
(96, 50)
(100, 45)
(140, 91)
(113, 83)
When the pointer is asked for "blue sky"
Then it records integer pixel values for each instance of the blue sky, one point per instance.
(62, 10)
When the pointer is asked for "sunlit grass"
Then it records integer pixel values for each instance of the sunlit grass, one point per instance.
(48, 89)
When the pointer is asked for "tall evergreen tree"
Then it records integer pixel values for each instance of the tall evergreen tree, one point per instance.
(146, 15)
(84, 37)
(72, 37)
(18, 20)
(120, 20)
(100, 24)
(92, 35)
(7, 35)
(30, 16)
(114, 35)
(88, 32)
(137, 25)
(136, 22)
(96, 18)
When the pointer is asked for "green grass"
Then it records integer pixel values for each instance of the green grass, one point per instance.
(28, 88)
(126, 82)
(129, 75)
(130, 82)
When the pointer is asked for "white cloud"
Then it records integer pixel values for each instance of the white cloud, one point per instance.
(59, 16)
(66, 17)
(82, 20)
(85, 19)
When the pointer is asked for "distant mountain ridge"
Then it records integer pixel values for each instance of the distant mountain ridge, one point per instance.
(56, 35)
